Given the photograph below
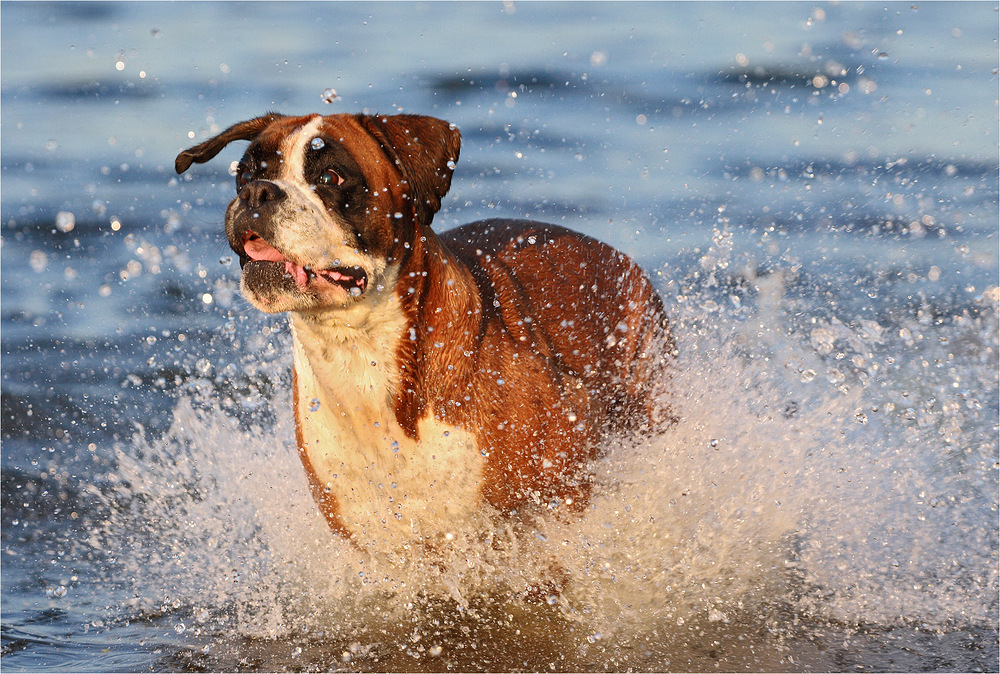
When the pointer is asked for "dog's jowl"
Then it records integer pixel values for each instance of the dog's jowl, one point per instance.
(438, 378)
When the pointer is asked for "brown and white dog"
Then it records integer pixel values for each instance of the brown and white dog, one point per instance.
(433, 374)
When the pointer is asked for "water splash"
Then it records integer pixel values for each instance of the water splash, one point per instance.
(830, 469)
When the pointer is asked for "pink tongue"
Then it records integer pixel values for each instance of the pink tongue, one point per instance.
(297, 273)
(259, 249)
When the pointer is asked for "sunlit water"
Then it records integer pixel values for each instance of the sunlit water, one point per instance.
(813, 191)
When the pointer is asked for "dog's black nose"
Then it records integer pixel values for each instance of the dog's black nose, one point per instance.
(259, 192)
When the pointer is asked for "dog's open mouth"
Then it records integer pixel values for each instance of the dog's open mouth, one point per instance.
(352, 279)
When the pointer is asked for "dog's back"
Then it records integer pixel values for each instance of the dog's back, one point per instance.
(597, 331)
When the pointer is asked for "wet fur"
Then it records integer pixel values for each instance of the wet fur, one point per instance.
(482, 365)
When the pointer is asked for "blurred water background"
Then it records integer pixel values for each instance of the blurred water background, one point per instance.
(813, 188)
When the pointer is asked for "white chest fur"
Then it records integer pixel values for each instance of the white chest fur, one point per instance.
(390, 488)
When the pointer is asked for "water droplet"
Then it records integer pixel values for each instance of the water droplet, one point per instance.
(314, 405)
(883, 55)
(179, 628)
(203, 367)
(38, 261)
(297, 651)
(394, 446)
(501, 382)
(715, 615)
(65, 221)
(571, 417)
(713, 443)
(317, 144)
(861, 418)
(329, 95)
(355, 291)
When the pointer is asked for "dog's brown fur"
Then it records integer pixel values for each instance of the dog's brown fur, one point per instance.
(531, 340)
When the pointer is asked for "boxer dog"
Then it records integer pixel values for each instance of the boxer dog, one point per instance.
(436, 377)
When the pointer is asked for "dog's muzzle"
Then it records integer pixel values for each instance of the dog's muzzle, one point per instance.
(253, 229)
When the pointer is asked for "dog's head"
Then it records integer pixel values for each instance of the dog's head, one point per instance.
(327, 207)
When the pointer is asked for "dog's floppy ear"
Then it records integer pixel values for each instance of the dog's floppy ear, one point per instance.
(202, 152)
(425, 149)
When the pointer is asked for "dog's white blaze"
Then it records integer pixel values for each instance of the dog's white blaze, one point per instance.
(391, 489)
(293, 149)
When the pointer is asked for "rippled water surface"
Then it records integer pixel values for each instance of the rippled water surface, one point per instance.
(813, 189)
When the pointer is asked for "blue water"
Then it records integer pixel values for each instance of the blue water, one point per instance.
(813, 189)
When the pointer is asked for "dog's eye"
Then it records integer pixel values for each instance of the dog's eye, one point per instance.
(243, 176)
(330, 177)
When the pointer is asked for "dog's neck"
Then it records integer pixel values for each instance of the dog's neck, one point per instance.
(374, 359)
